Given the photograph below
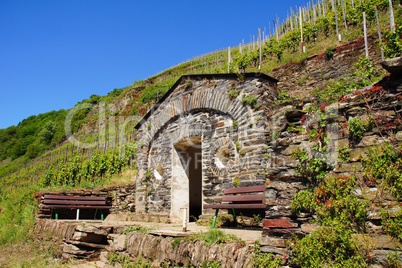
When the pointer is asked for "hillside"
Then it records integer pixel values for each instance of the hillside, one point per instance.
(37, 153)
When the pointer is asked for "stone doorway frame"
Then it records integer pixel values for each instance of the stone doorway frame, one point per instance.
(182, 181)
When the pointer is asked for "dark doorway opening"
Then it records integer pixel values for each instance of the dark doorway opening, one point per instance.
(190, 154)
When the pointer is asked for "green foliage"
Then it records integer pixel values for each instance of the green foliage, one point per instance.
(210, 264)
(94, 99)
(344, 154)
(392, 223)
(47, 132)
(125, 262)
(329, 52)
(262, 260)
(235, 123)
(283, 97)
(176, 241)
(33, 135)
(156, 91)
(215, 236)
(384, 165)
(329, 246)
(77, 171)
(233, 94)
(148, 175)
(135, 228)
(17, 215)
(236, 182)
(364, 74)
(393, 260)
(340, 213)
(250, 100)
(314, 169)
(392, 43)
(357, 127)
(333, 200)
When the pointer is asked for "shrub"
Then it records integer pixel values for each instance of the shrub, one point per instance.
(233, 94)
(329, 246)
(250, 100)
(262, 260)
(344, 154)
(384, 165)
(357, 127)
(329, 52)
(314, 169)
(333, 200)
(214, 236)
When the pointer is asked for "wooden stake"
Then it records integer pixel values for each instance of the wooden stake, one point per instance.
(229, 60)
(365, 35)
(336, 19)
(379, 33)
(344, 14)
(391, 16)
(301, 30)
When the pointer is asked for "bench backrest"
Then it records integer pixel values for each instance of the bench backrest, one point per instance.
(244, 194)
(74, 200)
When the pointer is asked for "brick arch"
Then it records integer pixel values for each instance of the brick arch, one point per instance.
(200, 100)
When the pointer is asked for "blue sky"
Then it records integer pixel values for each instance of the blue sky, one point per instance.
(55, 53)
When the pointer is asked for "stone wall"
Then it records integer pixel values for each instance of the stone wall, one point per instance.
(382, 104)
(86, 241)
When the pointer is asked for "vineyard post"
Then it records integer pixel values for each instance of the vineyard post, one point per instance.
(344, 13)
(391, 16)
(319, 9)
(301, 30)
(259, 43)
(336, 20)
(291, 19)
(229, 60)
(365, 34)
(379, 33)
(277, 26)
(353, 4)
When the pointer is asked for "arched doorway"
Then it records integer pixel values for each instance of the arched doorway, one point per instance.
(187, 179)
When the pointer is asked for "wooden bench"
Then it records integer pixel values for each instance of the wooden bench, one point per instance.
(251, 197)
(75, 202)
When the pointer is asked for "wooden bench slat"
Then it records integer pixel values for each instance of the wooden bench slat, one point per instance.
(73, 202)
(240, 190)
(243, 198)
(238, 206)
(75, 206)
(69, 197)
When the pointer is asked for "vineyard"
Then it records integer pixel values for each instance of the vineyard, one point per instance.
(36, 154)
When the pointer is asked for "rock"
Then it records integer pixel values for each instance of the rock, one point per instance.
(278, 223)
(379, 241)
(309, 228)
(369, 141)
(398, 136)
(394, 66)
(88, 237)
(357, 153)
(278, 212)
(91, 229)
(274, 250)
(272, 241)
(117, 242)
(294, 113)
(73, 250)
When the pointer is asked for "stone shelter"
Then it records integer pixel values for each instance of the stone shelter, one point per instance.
(206, 134)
